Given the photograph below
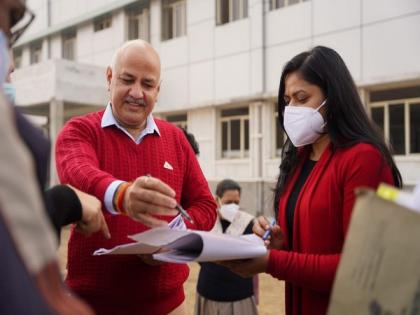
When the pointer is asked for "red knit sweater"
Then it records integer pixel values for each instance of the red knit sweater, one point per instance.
(321, 219)
(90, 158)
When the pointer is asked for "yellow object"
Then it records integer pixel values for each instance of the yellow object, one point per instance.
(388, 192)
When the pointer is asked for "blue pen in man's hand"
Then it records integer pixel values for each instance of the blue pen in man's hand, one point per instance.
(268, 232)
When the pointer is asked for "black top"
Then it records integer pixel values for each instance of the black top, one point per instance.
(218, 283)
(63, 206)
(291, 203)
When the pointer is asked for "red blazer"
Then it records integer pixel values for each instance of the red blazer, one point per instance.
(321, 220)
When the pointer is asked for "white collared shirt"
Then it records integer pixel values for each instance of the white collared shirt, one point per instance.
(108, 119)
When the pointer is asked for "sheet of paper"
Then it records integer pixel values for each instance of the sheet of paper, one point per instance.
(181, 246)
(379, 271)
(203, 246)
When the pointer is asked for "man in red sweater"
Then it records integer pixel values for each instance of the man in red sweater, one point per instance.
(140, 167)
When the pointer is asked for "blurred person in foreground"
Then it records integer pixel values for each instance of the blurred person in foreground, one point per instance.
(64, 203)
(31, 282)
(332, 148)
(140, 168)
(219, 290)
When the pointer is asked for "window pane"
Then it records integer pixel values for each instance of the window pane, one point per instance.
(177, 21)
(415, 128)
(279, 3)
(293, 2)
(395, 94)
(236, 6)
(378, 117)
(246, 134)
(133, 28)
(396, 128)
(224, 136)
(174, 118)
(222, 11)
(235, 112)
(235, 134)
(244, 8)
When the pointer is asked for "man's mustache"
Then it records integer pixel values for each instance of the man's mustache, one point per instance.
(138, 101)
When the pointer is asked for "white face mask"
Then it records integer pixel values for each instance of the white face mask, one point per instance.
(4, 58)
(228, 211)
(303, 125)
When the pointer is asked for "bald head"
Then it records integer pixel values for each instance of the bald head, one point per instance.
(134, 84)
(137, 48)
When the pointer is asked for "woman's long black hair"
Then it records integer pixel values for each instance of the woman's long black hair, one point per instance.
(346, 117)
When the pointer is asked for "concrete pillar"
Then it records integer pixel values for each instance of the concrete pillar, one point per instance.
(256, 151)
(155, 23)
(56, 121)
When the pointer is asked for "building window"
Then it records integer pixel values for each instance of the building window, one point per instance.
(174, 19)
(277, 4)
(17, 58)
(36, 53)
(102, 23)
(138, 23)
(279, 135)
(235, 133)
(179, 120)
(231, 10)
(397, 114)
(69, 45)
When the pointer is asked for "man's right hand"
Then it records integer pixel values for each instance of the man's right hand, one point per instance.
(148, 196)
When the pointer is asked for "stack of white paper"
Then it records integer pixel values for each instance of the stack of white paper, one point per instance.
(182, 246)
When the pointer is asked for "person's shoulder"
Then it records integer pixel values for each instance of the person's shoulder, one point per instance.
(85, 122)
(90, 118)
(361, 151)
(360, 148)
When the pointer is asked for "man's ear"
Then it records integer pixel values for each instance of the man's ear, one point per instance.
(109, 77)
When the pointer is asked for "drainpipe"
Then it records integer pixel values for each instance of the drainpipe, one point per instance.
(260, 108)
(48, 26)
(264, 42)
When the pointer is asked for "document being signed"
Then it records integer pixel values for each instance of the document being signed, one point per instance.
(182, 246)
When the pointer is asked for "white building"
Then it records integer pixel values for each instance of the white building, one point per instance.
(222, 61)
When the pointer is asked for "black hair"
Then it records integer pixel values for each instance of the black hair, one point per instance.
(192, 141)
(346, 118)
(227, 184)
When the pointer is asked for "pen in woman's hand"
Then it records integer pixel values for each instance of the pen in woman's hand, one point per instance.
(268, 232)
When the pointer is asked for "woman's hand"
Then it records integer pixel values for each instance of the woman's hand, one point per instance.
(92, 217)
(247, 268)
(275, 240)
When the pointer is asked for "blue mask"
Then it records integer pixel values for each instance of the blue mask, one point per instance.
(4, 57)
(10, 92)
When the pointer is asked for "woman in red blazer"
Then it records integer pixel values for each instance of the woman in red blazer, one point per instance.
(332, 148)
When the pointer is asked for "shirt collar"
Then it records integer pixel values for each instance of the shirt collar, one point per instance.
(108, 119)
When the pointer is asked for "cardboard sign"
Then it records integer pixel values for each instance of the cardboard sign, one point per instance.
(379, 271)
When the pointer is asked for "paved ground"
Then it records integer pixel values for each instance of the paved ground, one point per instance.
(271, 290)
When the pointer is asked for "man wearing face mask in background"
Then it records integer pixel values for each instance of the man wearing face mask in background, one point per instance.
(219, 291)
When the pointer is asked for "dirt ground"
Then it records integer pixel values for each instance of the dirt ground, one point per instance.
(271, 295)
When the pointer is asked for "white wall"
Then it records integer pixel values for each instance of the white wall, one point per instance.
(391, 49)
(56, 46)
(202, 124)
(64, 10)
